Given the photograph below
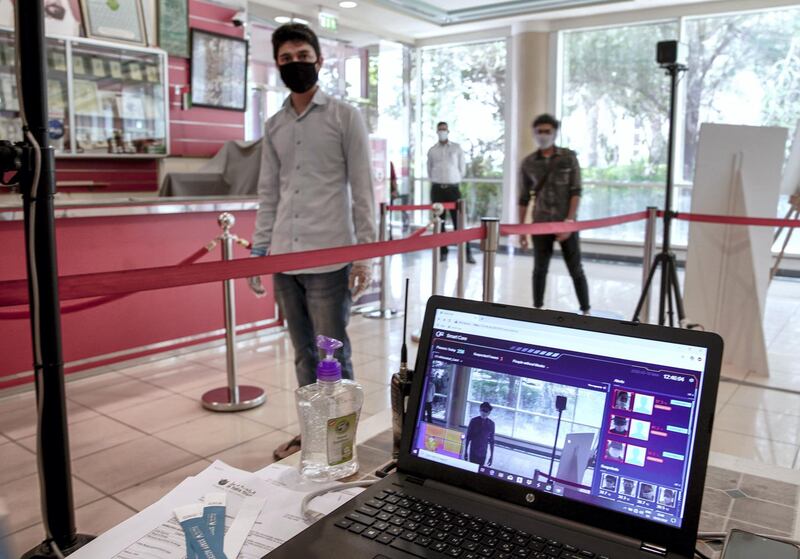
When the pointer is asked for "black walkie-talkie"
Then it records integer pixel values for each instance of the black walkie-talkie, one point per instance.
(400, 387)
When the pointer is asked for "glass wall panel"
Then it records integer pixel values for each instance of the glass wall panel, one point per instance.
(615, 114)
(464, 85)
(390, 114)
(743, 69)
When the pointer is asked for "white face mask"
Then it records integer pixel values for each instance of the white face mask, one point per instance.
(544, 141)
(442, 135)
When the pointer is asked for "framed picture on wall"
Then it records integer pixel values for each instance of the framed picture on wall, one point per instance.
(135, 71)
(173, 26)
(6, 13)
(219, 71)
(78, 65)
(115, 67)
(59, 60)
(115, 20)
(151, 72)
(98, 67)
(150, 13)
(62, 17)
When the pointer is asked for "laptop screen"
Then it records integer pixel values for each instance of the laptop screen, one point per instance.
(604, 419)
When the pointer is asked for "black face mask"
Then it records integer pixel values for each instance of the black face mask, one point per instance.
(299, 76)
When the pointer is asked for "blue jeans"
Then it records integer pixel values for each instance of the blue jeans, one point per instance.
(315, 304)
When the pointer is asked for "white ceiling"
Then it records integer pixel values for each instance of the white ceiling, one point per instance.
(372, 20)
(454, 12)
(450, 5)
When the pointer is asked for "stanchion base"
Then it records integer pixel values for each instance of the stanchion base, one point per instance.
(416, 336)
(44, 551)
(219, 399)
(385, 314)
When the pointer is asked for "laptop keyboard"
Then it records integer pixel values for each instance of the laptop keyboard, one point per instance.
(425, 529)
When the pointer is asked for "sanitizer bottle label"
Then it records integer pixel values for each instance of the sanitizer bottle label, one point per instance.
(341, 439)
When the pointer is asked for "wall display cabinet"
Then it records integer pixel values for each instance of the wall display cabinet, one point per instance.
(104, 100)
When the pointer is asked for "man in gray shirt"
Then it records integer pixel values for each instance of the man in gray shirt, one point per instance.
(315, 192)
(446, 168)
(551, 176)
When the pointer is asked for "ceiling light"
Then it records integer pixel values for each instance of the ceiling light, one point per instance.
(347, 4)
(283, 19)
(300, 20)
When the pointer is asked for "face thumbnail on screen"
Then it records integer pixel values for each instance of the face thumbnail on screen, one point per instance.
(592, 417)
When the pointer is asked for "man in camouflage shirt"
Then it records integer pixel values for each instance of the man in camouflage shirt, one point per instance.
(552, 177)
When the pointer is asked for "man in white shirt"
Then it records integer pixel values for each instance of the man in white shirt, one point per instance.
(446, 168)
(315, 192)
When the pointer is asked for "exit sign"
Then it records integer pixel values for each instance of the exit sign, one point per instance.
(328, 22)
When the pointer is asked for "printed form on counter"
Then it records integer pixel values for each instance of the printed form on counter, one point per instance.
(262, 510)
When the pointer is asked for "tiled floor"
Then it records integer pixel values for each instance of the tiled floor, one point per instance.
(137, 429)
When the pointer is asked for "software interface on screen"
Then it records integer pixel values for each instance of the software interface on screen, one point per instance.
(599, 418)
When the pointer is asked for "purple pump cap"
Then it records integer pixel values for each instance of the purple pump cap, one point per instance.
(329, 369)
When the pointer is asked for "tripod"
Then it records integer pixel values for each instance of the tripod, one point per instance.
(670, 298)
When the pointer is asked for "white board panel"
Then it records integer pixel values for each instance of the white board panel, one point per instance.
(738, 172)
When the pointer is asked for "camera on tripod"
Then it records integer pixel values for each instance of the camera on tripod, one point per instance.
(672, 53)
(671, 56)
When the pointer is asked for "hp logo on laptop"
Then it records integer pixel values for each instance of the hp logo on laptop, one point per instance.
(530, 497)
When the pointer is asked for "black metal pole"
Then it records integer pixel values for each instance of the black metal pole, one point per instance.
(666, 276)
(555, 444)
(53, 449)
(673, 70)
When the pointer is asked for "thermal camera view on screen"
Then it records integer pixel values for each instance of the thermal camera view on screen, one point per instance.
(514, 401)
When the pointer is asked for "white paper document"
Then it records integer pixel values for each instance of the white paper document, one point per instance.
(272, 496)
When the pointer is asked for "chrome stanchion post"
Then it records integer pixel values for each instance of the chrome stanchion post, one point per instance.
(382, 237)
(647, 259)
(436, 218)
(384, 311)
(436, 222)
(232, 397)
(491, 237)
(461, 213)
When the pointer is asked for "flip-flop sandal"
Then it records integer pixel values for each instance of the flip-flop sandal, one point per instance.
(287, 449)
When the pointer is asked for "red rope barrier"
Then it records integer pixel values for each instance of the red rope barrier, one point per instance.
(80, 286)
(66, 309)
(115, 284)
(739, 220)
(418, 233)
(555, 227)
(112, 286)
(412, 207)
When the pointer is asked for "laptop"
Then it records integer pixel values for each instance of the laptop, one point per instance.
(627, 407)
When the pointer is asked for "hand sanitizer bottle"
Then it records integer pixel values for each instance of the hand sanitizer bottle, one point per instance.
(329, 410)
